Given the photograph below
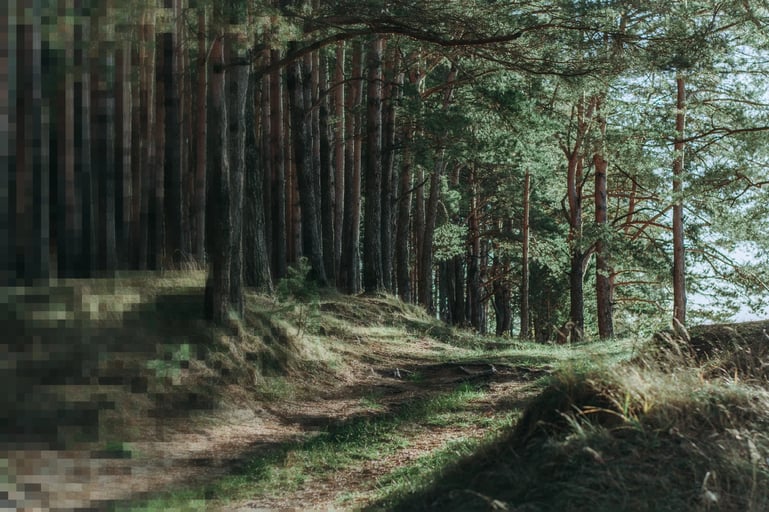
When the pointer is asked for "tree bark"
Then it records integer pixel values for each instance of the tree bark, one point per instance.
(679, 255)
(372, 239)
(525, 235)
(8, 102)
(603, 285)
(82, 143)
(257, 261)
(277, 148)
(339, 156)
(103, 133)
(474, 305)
(349, 268)
(172, 171)
(327, 190)
(403, 225)
(201, 137)
(32, 157)
(236, 96)
(157, 202)
(301, 127)
(123, 151)
(389, 181)
(218, 227)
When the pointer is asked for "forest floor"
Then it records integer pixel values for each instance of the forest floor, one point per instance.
(126, 400)
(123, 409)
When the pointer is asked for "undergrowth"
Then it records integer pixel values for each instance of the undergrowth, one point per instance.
(671, 430)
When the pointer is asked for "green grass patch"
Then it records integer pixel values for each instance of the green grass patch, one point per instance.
(291, 465)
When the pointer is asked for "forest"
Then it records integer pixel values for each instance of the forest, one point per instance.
(550, 170)
(384, 255)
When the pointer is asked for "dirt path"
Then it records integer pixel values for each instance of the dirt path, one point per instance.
(185, 453)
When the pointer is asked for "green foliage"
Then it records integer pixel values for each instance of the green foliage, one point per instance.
(300, 295)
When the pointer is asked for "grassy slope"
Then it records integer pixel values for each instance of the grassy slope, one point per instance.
(669, 425)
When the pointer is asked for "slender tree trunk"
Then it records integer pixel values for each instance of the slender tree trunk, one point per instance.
(419, 232)
(257, 261)
(172, 171)
(301, 125)
(218, 227)
(103, 133)
(8, 104)
(389, 182)
(147, 130)
(372, 239)
(82, 143)
(339, 156)
(157, 202)
(326, 172)
(474, 305)
(69, 217)
(136, 154)
(603, 286)
(574, 327)
(236, 96)
(123, 151)
(403, 226)
(201, 137)
(679, 256)
(525, 235)
(426, 254)
(32, 157)
(277, 148)
(349, 268)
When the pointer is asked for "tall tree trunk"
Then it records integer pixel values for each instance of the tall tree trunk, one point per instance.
(257, 260)
(339, 156)
(418, 223)
(199, 201)
(32, 157)
(349, 268)
(147, 127)
(82, 143)
(172, 171)
(277, 149)
(123, 151)
(8, 102)
(327, 190)
(474, 305)
(236, 96)
(157, 202)
(103, 133)
(679, 256)
(372, 239)
(69, 215)
(403, 225)
(301, 126)
(426, 254)
(218, 227)
(389, 182)
(603, 286)
(525, 235)
(574, 327)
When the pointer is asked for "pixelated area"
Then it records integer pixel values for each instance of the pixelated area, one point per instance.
(86, 367)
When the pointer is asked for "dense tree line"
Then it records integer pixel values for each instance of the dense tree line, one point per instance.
(581, 164)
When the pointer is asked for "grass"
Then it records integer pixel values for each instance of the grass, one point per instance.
(677, 423)
(369, 437)
(664, 432)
